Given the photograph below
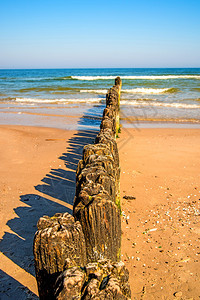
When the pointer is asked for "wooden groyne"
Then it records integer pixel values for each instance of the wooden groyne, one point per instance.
(78, 257)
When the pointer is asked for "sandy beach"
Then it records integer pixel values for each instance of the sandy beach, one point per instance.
(161, 231)
(160, 195)
(128, 72)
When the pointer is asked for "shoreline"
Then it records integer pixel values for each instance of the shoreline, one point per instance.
(38, 166)
(161, 124)
(76, 122)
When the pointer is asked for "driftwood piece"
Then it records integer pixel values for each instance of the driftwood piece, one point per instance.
(101, 280)
(59, 244)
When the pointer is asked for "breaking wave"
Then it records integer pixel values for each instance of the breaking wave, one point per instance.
(48, 89)
(149, 77)
(135, 91)
(150, 91)
(94, 91)
(161, 104)
(32, 100)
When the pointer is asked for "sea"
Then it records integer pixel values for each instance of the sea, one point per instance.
(75, 98)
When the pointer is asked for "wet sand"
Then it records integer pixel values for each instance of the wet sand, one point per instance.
(159, 172)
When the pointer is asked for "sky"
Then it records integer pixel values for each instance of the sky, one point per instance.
(90, 34)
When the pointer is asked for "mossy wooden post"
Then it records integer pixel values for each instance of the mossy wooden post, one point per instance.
(118, 83)
(103, 279)
(94, 206)
(113, 101)
(101, 224)
(79, 257)
(59, 244)
(107, 139)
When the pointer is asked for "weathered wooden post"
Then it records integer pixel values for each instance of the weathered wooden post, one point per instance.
(100, 280)
(79, 257)
(58, 245)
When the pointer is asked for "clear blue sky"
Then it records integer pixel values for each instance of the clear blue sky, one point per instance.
(129, 33)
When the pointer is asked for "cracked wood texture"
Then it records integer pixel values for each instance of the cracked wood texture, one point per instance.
(100, 280)
(59, 244)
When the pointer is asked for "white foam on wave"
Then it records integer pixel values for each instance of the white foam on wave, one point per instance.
(94, 91)
(138, 77)
(146, 91)
(32, 100)
(93, 77)
(133, 91)
(161, 104)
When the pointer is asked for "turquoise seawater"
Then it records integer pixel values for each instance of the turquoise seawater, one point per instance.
(147, 94)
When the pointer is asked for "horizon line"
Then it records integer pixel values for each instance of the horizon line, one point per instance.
(79, 68)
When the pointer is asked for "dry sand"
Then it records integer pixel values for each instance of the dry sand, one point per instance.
(159, 171)
(27, 154)
(161, 229)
